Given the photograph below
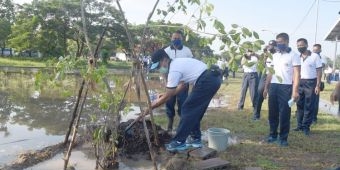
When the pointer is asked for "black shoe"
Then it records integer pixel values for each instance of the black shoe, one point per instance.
(297, 129)
(255, 119)
(306, 132)
(283, 143)
(271, 139)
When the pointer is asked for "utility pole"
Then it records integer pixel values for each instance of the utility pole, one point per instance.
(316, 22)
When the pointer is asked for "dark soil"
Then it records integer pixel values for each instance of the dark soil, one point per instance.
(134, 140)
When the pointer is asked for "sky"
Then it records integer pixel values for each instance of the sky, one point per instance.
(266, 17)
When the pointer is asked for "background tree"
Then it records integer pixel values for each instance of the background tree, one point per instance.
(6, 18)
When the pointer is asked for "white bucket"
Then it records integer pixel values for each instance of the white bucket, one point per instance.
(218, 138)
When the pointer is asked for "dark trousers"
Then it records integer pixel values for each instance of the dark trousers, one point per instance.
(279, 111)
(306, 103)
(259, 96)
(196, 105)
(249, 80)
(170, 104)
(316, 109)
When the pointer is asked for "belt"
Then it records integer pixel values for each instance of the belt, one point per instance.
(308, 79)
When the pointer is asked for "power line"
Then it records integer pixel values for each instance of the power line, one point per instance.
(336, 1)
(316, 22)
(303, 19)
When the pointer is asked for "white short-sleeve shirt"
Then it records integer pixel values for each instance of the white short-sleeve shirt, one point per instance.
(185, 70)
(251, 69)
(173, 53)
(309, 66)
(283, 64)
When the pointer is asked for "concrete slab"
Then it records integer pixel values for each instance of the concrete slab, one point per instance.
(212, 164)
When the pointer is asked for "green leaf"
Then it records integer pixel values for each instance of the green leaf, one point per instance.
(219, 26)
(256, 35)
(246, 32)
(164, 13)
(279, 79)
(232, 31)
(222, 47)
(234, 25)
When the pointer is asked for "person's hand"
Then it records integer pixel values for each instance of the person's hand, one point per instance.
(159, 95)
(317, 90)
(295, 96)
(265, 93)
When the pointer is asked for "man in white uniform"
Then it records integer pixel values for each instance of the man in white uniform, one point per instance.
(250, 79)
(206, 83)
(284, 85)
(309, 86)
(317, 50)
(176, 50)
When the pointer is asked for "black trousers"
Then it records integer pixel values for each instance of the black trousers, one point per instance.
(306, 103)
(259, 96)
(279, 111)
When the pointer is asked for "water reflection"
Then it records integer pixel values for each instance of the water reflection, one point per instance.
(33, 119)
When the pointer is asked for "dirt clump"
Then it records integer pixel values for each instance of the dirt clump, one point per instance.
(134, 140)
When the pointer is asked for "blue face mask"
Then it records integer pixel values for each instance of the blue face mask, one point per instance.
(176, 42)
(163, 70)
(281, 47)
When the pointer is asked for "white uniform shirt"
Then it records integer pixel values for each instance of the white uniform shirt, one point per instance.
(309, 66)
(176, 53)
(251, 69)
(283, 64)
(184, 69)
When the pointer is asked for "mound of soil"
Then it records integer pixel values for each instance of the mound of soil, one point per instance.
(134, 140)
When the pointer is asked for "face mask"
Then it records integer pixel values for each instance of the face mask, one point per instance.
(282, 47)
(318, 53)
(176, 42)
(302, 49)
(163, 70)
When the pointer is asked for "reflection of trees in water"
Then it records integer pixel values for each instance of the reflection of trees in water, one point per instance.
(52, 109)
(5, 111)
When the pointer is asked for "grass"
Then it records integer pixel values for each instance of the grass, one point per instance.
(22, 62)
(319, 151)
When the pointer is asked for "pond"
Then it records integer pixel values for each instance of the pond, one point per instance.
(31, 119)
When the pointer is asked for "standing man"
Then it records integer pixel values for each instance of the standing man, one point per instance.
(268, 51)
(176, 50)
(250, 78)
(283, 86)
(317, 50)
(206, 83)
(309, 87)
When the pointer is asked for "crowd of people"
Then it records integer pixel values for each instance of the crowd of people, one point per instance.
(295, 78)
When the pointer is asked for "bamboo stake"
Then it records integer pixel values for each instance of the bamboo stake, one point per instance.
(74, 114)
(75, 127)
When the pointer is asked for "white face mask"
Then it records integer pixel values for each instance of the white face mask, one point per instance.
(163, 70)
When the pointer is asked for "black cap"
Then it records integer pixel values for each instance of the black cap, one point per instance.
(272, 42)
(156, 57)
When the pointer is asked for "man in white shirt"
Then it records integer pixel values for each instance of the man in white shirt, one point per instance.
(205, 83)
(317, 50)
(250, 78)
(309, 86)
(176, 50)
(283, 87)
